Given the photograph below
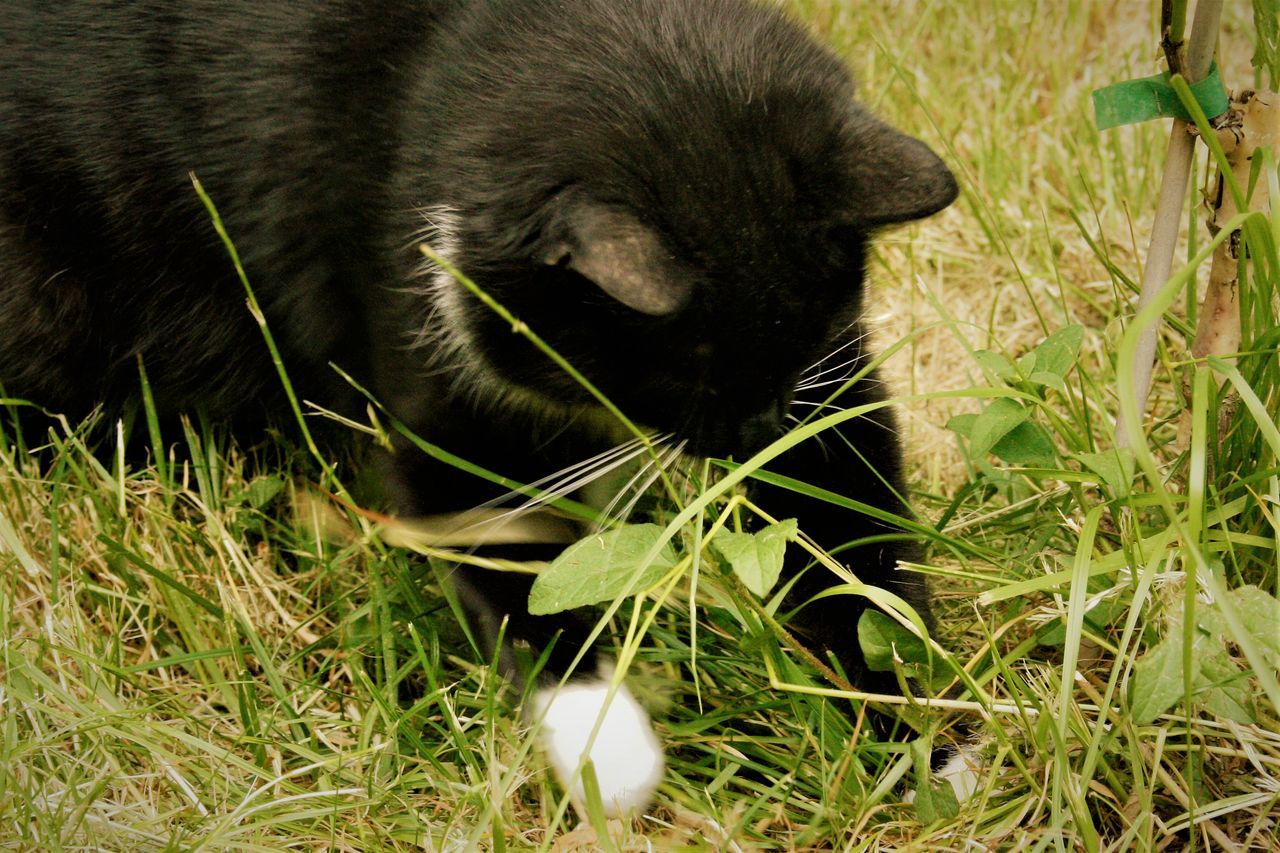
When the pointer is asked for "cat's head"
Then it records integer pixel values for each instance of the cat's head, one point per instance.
(675, 196)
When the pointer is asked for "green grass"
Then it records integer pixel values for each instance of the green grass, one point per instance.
(199, 654)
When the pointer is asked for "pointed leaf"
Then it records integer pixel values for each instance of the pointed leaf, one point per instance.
(936, 801)
(1027, 363)
(1114, 468)
(962, 425)
(995, 422)
(1049, 380)
(600, 568)
(995, 364)
(757, 557)
(884, 640)
(1057, 353)
(1226, 687)
(262, 490)
(1025, 444)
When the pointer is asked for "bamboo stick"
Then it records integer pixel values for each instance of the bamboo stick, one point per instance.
(1173, 191)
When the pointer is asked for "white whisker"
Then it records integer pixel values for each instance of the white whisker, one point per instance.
(562, 482)
(824, 384)
(851, 342)
(573, 477)
(844, 365)
(584, 476)
(832, 406)
(608, 512)
(658, 466)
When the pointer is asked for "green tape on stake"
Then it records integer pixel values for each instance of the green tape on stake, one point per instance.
(1153, 97)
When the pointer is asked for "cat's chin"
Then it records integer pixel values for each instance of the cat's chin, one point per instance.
(624, 751)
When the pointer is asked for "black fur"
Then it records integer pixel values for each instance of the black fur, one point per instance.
(676, 195)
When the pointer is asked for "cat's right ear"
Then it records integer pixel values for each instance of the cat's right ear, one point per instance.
(622, 256)
(899, 177)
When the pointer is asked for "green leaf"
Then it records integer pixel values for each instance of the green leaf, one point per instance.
(884, 640)
(756, 558)
(1114, 468)
(1057, 354)
(1219, 682)
(600, 568)
(935, 800)
(1227, 689)
(262, 490)
(1266, 26)
(1260, 615)
(1025, 444)
(995, 364)
(962, 425)
(1157, 681)
(999, 418)
(1049, 380)
(877, 647)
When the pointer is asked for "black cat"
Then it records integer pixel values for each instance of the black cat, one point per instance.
(676, 195)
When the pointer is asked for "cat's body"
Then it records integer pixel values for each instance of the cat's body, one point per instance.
(675, 195)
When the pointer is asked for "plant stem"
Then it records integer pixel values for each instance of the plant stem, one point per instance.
(1173, 24)
(1173, 191)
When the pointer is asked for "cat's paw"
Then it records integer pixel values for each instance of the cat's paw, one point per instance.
(625, 753)
(958, 765)
(962, 770)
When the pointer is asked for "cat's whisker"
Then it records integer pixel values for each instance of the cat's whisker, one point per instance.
(818, 404)
(865, 382)
(658, 466)
(839, 380)
(857, 339)
(837, 336)
(561, 486)
(845, 366)
(582, 474)
(560, 483)
(818, 381)
(832, 354)
(575, 476)
(608, 513)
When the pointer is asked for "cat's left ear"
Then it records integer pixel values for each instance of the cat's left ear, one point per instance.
(898, 177)
(622, 256)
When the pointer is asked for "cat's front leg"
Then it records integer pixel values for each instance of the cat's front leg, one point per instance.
(580, 709)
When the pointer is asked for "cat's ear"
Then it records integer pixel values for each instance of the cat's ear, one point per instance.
(623, 257)
(898, 177)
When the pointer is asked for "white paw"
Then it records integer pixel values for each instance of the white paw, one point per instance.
(963, 771)
(625, 753)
